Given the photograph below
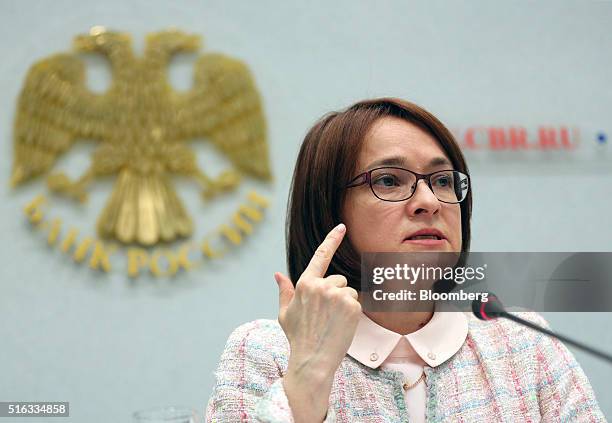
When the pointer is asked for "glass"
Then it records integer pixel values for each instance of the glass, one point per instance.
(399, 184)
(168, 414)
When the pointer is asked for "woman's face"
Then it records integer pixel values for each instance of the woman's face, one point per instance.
(374, 225)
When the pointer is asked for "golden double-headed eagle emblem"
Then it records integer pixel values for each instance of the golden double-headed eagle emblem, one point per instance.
(142, 125)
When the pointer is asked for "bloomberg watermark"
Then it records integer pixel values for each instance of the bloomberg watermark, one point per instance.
(534, 281)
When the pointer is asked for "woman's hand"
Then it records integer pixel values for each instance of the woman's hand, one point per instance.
(319, 317)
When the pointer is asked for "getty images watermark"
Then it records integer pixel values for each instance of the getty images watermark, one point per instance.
(536, 281)
(413, 274)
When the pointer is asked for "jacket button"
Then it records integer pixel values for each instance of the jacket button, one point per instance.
(373, 357)
(431, 355)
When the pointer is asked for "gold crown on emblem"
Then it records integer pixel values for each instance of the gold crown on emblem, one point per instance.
(142, 125)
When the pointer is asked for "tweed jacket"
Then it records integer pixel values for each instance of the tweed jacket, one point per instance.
(502, 373)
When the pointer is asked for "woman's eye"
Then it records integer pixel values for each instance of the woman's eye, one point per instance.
(443, 181)
(386, 180)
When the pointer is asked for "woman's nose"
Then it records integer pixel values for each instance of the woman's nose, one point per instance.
(423, 200)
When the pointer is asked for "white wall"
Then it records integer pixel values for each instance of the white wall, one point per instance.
(111, 347)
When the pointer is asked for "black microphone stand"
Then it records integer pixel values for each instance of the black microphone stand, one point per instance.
(492, 308)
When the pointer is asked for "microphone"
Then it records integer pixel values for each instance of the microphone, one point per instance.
(493, 308)
(488, 310)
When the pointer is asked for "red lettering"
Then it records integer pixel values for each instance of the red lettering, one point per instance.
(497, 138)
(470, 137)
(547, 138)
(566, 140)
(518, 138)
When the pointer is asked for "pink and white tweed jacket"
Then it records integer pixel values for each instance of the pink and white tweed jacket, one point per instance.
(502, 373)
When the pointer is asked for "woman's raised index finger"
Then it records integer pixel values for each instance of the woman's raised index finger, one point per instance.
(325, 252)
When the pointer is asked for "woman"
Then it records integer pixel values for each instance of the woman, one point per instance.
(329, 359)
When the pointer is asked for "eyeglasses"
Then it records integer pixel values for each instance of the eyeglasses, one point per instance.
(398, 184)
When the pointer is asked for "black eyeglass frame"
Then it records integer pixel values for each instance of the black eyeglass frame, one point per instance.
(367, 178)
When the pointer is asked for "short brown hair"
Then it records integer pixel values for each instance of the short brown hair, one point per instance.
(326, 162)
